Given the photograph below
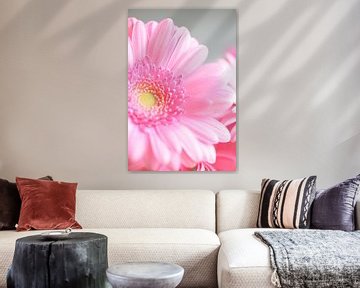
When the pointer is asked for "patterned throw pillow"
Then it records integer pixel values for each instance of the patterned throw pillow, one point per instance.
(286, 204)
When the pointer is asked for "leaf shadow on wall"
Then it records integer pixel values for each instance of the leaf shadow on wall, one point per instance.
(89, 30)
(285, 90)
(24, 19)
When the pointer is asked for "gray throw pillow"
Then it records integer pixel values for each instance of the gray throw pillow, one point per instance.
(334, 208)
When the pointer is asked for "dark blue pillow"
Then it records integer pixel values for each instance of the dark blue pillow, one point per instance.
(334, 208)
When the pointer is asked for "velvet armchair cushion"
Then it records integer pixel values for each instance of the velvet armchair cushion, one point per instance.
(46, 204)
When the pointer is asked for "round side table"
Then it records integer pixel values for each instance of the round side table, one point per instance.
(145, 275)
(78, 261)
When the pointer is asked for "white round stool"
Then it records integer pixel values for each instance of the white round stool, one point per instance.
(145, 275)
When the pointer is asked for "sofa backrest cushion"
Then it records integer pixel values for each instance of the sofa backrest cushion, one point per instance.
(236, 209)
(146, 209)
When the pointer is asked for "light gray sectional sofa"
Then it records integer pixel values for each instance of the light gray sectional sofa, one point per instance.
(210, 235)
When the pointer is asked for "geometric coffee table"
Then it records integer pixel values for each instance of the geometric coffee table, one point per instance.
(145, 275)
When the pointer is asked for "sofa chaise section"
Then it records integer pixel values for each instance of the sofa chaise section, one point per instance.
(243, 261)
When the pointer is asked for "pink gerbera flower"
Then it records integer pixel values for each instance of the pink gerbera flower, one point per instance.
(225, 152)
(229, 118)
(175, 101)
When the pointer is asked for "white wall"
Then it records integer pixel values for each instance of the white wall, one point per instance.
(63, 92)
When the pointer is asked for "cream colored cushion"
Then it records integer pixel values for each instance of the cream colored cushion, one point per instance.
(7, 247)
(146, 209)
(244, 261)
(236, 209)
(194, 249)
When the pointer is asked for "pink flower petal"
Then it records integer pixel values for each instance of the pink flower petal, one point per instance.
(131, 22)
(139, 40)
(135, 166)
(205, 107)
(159, 41)
(207, 82)
(173, 42)
(160, 150)
(229, 118)
(130, 54)
(210, 94)
(137, 144)
(226, 157)
(150, 28)
(191, 61)
(189, 143)
(218, 127)
(169, 138)
(204, 132)
(233, 134)
(209, 153)
(186, 161)
(180, 43)
(175, 163)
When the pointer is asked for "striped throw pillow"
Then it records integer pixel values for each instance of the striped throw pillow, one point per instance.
(286, 204)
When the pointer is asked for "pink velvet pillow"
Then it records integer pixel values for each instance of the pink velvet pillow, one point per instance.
(46, 204)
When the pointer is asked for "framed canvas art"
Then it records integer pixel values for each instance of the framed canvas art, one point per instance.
(182, 90)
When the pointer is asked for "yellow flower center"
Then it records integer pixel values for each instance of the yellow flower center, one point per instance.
(147, 99)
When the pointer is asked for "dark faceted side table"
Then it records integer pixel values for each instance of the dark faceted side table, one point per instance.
(145, 275)
(79, 261)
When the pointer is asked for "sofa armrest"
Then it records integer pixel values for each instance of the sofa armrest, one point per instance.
(357, 215)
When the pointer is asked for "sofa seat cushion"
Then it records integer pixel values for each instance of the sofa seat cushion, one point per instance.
(194, 249)
(7, 247)
(244, 261)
